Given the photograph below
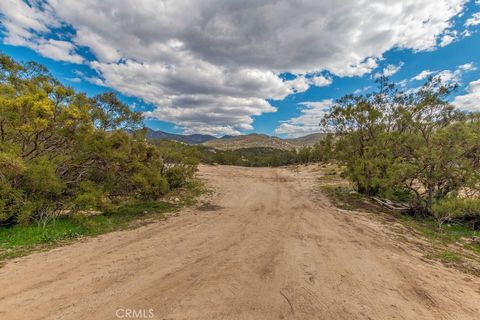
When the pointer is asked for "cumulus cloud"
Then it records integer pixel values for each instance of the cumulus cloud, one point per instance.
(224, 58)
(267, 34)
(390, 70)
(447, 76)
(474, 20)
(224, 115)
(57, 50)
(361, 90)
(423, 75)
(321, 81)
(24, 23)
(446, 40)
(455, 76)
(467, 67)
(471, 100)
(308, 121)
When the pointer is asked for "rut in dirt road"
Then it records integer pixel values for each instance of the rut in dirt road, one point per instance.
(265, 245)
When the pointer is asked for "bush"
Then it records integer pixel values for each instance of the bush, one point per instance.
(61, 151)
(150, 184)
(455, 208)
(409, 146)
(10, 204)
(88, 196)
(177, 176)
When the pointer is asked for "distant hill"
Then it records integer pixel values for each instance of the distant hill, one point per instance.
(253, 140)
(228, 142)
(190, 138)
(308, 140)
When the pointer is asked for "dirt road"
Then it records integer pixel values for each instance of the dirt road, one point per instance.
(264, 245)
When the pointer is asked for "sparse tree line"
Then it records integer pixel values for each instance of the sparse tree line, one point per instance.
(245, 157)
(61, 151)
(413, 147)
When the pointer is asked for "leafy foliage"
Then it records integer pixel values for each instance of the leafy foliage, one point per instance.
(61, 151)
(413, 147)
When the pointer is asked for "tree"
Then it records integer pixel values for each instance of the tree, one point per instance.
(362, 125)
(109, 113)
(61, 150)
(416, 143)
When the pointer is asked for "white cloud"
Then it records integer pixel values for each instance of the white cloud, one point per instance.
(474, 20)
(321, 81)
(467, 67)
(471, 100)
(423, 75)
(58, 50)
(225, 58)
(308, 122)
(24, 22)
(299, 84)
(450, 36)
(224, 115)
(265, 34)
(447, 76)
(357, 69)
(446, 40)
(74, 79)
(360, 90)
(390, 70)
(455, 76)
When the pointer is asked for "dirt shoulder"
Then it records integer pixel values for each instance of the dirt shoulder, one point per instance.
(263, 245)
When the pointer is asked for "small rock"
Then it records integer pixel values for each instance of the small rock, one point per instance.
(176, 200)
(145, 212)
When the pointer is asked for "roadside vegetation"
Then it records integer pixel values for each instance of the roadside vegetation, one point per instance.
(411, 149)
(65, 157)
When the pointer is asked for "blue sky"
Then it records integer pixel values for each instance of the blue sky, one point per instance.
(231, 68)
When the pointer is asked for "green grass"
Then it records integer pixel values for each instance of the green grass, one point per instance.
(449, 233)
(20, 240)
(447, 256)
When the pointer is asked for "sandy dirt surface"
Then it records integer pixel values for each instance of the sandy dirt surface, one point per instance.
(263, 245)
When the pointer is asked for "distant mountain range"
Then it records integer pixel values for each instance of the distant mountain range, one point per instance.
(189, 139)
(253, 140)
(308, 140)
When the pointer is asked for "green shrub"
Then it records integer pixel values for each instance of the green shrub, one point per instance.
(177, 176)
(455, 207)
(150, 184)
(39, 178)
(89, 196)
(10, 203)
(61, 151)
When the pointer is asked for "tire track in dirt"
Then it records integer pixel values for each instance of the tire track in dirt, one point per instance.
(262, 246)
